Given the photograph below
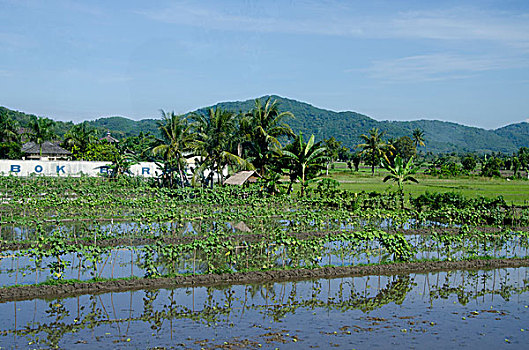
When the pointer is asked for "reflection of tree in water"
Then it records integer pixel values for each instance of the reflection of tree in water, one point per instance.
(227, 304)
(478, 284)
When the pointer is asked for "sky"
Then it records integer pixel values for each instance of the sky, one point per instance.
(460, 61)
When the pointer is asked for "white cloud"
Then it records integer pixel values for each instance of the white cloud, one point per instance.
(242, 20)
(464, 24)
(436, 67)
(339, 20)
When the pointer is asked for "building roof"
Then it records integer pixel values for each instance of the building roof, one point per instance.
(47, 148)
(242, 177)
(109, 138)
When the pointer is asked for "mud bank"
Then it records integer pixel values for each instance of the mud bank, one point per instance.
(61, 291)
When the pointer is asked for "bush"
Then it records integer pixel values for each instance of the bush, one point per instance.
(492, 167)
(469, 163)
(10, 150)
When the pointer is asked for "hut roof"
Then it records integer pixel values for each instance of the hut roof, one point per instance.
(47, 148)
(109, 138)
(242, 177)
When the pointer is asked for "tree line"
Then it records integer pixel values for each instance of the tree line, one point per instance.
(259, 139)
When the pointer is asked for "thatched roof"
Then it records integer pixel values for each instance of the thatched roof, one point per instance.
(47, 148)
(109, 138)
(242, 177)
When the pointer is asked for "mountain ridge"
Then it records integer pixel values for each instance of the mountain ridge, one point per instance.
(345, 126)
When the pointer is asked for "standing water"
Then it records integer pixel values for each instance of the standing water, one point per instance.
(474, 309)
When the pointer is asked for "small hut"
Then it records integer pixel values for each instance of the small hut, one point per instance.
(242, 177)
(109, 138)
(47, 151)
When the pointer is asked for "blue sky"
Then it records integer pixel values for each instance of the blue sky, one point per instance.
(462, 61)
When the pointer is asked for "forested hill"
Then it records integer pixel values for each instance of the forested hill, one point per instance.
(440, 136)
(347, 126)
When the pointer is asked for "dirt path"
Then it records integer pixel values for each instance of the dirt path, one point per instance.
(61, 291)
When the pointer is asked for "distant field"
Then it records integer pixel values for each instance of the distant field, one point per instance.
(514, 191)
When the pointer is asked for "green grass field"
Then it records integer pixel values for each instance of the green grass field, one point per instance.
(513, 191)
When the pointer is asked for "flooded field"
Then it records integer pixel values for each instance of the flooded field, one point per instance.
(485, 309)
(19, 267)
(89, 264)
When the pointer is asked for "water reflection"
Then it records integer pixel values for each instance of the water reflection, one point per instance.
(161, 317)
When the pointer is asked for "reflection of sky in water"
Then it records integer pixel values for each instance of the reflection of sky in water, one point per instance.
(21, 270)
(122, 229)
(470, 309)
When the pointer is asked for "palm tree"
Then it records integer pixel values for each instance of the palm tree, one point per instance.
(121, 164)
(263, 126)
(176, 143)
(80, 136)
(40, 130)
(374, 148)
(418, 137)
(215, 132)
(401, 173)
(303, 158)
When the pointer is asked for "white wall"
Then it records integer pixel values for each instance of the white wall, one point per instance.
(69, 168)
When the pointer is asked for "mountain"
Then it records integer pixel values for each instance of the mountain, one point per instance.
(123, 127)
(440, 137)
(120, 127)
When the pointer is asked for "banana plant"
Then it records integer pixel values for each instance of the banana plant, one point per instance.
(401, 173)
(302, 158)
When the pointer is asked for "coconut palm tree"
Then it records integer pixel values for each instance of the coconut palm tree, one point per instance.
(214, 143)
(176, 142)
(80, 136)
(374, 148)
(418, 137)
(40, 130)
(401, 173)
(263, 126)
(304, 158)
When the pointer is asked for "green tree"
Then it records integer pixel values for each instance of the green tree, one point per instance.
(10, 147)
(140, 145)
(100, 152)
(304, 160)
(404, 147)
(333, 151)
(8, 129)
(469, 162)
(40, 130)
(214, 143)
(492, 167)
(401, 173)
(356, 158)
(10, 150)
(121, 164)
(374, 148)
(263, 126)
(516, 165)
(418, 137)
(523, 157)
(176, 142)
(80, 136)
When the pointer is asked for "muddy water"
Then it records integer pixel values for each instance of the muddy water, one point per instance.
(487, 309)
(18, 267)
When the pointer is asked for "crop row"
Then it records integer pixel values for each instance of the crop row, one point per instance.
(56, 258)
